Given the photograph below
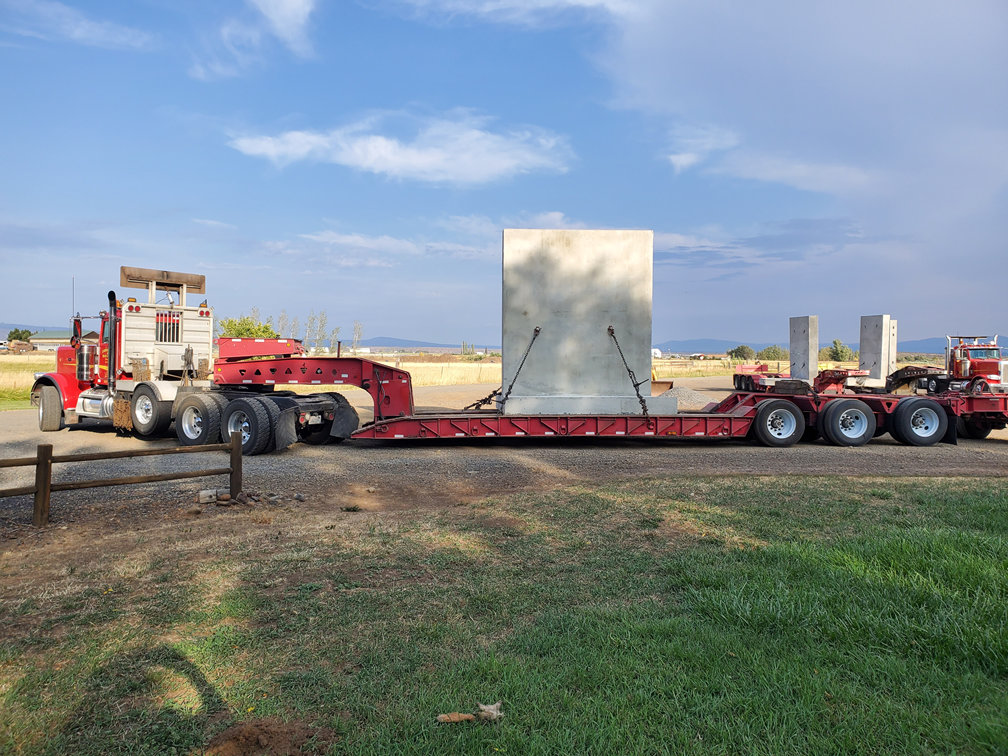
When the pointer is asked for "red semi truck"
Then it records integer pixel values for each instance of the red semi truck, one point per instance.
(151, 365)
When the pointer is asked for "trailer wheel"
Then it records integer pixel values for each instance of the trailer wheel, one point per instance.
(249, 418)
(778, 423)
(919, 422)
(274, 416)
(198, 421)
(150, 416)
(50, 410)
(848, 422)
(973, 429)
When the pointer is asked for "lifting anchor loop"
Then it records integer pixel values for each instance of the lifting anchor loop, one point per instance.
(633, 378)
(535, 335)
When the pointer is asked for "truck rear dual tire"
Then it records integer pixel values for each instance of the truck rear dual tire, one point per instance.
(778, 423)
(847, 422)
(918, 422)
(249, 417)
(151, 417)
(198, 420)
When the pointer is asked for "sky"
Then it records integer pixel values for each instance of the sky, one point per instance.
(362, 157)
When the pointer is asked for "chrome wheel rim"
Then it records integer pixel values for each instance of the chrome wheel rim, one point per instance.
(144, 409)
(239, 423)
(192, 422)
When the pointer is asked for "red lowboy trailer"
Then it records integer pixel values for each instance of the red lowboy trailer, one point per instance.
(151, 365)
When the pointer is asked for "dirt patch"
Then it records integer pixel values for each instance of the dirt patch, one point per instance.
(271, 736)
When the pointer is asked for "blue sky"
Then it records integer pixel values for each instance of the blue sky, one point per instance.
(362, 156)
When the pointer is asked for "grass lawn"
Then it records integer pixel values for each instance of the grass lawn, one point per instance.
(690, 615)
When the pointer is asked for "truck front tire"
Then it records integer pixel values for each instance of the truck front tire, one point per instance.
(50, 409)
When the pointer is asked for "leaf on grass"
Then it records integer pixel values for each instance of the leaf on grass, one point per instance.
(455, 716)
(490, 712)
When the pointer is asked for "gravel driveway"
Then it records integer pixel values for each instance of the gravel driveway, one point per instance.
(406, 474)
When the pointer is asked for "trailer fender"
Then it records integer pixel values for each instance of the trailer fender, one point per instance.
(65, 385)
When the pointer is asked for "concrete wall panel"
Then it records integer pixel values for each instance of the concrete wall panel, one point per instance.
(805, 348)
(574, 284)
(877, 346)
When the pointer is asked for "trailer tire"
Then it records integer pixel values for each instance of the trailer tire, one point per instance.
(848, 422)
(274, 417)
(50, 416)
(250, 418)
(973, 429)
(919, 422)
(778, 423)
(198, 420)
(150, 417)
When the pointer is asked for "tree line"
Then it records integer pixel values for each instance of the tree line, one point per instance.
(836, 352)
(20, 334)
(316, 334)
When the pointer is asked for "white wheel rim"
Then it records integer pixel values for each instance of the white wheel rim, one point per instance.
(852, 423)
(924, 422)
(144, 409)
(239, 423)
(192, 422)
(781, 424)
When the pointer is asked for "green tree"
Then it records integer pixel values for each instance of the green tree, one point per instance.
(742, 352)
(245, 327)
(773, 353)
(840, 352)
(19, 334)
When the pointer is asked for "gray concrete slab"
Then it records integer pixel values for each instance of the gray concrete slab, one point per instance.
(877, 346)
(573, 285)
(804, 348)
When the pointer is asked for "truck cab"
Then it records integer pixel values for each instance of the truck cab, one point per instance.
(975, 365)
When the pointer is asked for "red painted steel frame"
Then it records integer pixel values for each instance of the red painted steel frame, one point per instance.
(493, 425)
(390, 389)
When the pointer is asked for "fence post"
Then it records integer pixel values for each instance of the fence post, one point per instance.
(236, 464)
(43, 480)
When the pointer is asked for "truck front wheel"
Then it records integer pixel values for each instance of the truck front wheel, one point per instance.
(50, 411)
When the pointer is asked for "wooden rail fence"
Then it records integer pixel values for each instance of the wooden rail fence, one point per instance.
(45, 459)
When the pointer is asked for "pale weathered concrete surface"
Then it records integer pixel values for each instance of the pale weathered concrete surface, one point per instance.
(804, 347)
(574, 284)
(878, 346)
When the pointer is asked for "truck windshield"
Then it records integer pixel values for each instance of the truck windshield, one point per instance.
(984, 354)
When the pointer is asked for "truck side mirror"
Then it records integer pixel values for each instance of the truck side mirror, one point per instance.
(75, 338)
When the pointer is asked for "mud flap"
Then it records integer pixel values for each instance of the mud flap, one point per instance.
(952, 431)
(285, 431)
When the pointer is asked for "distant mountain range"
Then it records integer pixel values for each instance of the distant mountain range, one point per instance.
(933, 345)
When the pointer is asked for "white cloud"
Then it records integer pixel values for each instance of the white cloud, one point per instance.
(525, 12)
(462, 150)
(47, 19)
(288, 20)
(241, 42)
(360, 243)
(214, 223)
(829, 178)
(694, 144)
